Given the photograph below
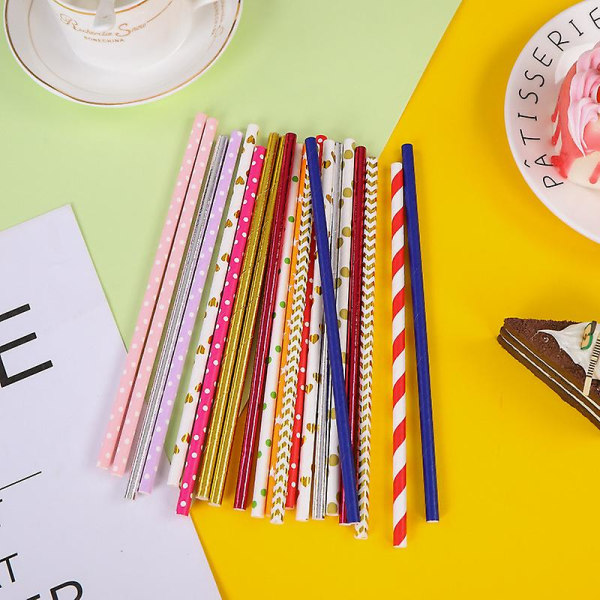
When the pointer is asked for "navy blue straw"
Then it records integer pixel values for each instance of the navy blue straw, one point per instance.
(333, 337)
(432, 511)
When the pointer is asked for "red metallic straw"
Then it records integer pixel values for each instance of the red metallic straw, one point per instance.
(264, 328)
(354, 315)
(292, 489)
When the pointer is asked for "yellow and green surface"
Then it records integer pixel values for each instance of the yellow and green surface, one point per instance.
(517, 467)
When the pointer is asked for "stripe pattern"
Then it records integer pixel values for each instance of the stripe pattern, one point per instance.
(295, 347)
(592, 367)
(366, 350)
(398, 355)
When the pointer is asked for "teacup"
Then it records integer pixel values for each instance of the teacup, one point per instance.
(146, 31)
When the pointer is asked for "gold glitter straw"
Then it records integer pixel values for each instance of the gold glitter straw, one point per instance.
(235, 330)
(249, 313)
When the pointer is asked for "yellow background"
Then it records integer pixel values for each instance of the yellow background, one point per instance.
(518, 468)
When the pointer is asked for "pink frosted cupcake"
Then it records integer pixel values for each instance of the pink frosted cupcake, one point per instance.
(577, 133)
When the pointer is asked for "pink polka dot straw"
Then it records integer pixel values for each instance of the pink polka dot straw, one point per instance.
(138, 343)
(164, 300)
(211, 376)
(191, 309)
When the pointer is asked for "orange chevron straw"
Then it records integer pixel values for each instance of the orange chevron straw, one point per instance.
(292, 485)
(286, 339)
(285, 342)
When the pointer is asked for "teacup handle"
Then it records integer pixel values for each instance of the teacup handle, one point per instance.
(198, 3)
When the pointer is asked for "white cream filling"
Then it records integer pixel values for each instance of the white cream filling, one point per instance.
(569, 340)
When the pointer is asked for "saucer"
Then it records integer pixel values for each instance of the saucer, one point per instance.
(531, 97)
(39, 46)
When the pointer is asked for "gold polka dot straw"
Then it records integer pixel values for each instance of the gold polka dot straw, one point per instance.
(342, 284)
(316, 377)
(319, 501)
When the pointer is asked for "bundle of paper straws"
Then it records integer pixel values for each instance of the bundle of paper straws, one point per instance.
(278, 244)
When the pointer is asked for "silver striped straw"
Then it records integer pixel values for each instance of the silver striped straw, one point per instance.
(175, 318)
(324, 399)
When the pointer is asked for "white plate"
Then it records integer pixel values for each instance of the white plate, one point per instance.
(39, 46)
(530, 101)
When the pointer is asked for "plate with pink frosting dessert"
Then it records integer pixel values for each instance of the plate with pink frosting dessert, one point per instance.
(552, 114)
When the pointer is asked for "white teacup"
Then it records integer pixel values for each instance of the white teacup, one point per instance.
(146, 31)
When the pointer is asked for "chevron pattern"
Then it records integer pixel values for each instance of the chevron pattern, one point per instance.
(366, 351)
(293, 364)
(276, 358)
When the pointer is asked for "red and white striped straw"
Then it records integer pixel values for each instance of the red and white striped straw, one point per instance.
(399, 363)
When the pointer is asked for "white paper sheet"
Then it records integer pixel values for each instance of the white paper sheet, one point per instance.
(65, 532)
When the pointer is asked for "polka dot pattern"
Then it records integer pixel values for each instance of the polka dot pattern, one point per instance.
(211, 376)
(165, 296)
(210, 318)
(343, 294)
(312, 477)
(190, 312)
(121, 402)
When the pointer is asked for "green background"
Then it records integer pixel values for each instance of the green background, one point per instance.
(342, 68)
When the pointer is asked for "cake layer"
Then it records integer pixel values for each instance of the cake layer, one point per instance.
(558, 372)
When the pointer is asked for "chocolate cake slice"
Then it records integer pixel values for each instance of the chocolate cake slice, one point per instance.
(563, 354)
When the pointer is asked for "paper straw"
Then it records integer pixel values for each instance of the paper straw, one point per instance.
(292, 482)
(285, 346)
(319, 503)
(284, 357)
(263, 207)
(164, 301)
(217, 347)
(260, 413)
(420, 328)
(263, 284)
(265, 327)
(333, 340)
(263, 457)
(342, 299)
(366, 349)
(190, 312)
(353, 343)
(399, 362)
(175, 318)
(295, 347)
(212, 310)
(316, 378)
(138, 341)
